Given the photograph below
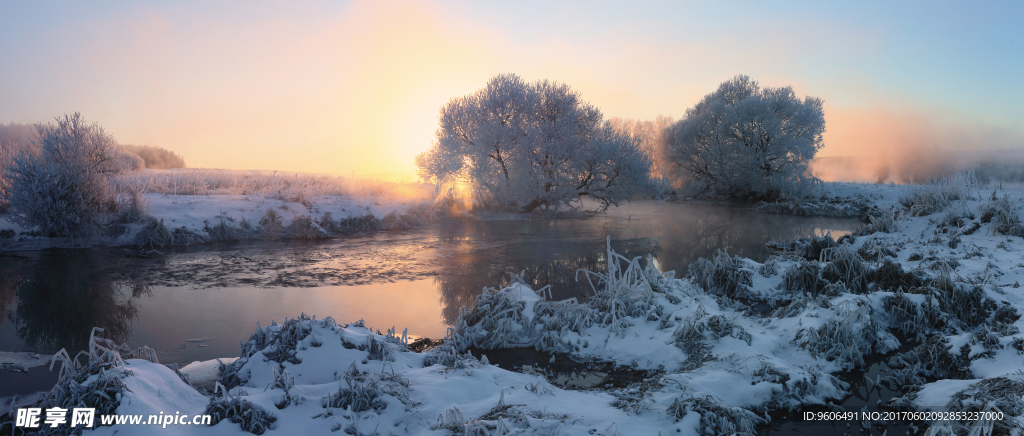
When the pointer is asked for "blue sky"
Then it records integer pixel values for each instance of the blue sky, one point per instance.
(355, 86)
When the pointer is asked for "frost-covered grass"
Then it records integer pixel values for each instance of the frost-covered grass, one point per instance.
(289, 186)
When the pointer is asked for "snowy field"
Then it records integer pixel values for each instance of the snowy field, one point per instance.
(934, 277)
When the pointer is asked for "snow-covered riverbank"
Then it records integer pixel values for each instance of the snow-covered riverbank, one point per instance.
(934, 277)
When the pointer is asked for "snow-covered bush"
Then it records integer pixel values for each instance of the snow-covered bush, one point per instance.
(746, 142)
(272, 225)
(884, 221)
(65, 189)
(252, 418)
(153, 235)
(327, 222)
(804, 277)
(519, 146)
(722, 274)
(394, 221)
(225, 231)
(716, 417)
(360, 224)
(846, 266)
(360, 392)
(303, 227)
(846, 339)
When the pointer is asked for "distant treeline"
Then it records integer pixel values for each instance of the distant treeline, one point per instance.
(17, 138)
(156, 157)
(999, 165)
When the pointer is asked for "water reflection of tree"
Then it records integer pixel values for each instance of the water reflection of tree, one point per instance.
(67, 293)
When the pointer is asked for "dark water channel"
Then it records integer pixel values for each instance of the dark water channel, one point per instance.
(196, 303)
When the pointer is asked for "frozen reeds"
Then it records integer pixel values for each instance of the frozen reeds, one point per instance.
(846, 338)
(934, 196)
(154, 234)
(1004, 216)
(722, 275)
(804, 277)
(359, 393)
(843, 265)
(298, 187)
(251, 417)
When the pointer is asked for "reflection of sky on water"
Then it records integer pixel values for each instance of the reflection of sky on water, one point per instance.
(198, 302)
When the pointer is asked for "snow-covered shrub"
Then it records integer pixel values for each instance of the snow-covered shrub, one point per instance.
(224, 231)
(846, 338)
(327, 222)
(884, 220)
(928, 198)
(153, 235)
(447, 355)
(394, 221)
(360, 392)
(272, 225)
(303, 227)
(815, 245)
(252, 418)
(359, 224)
(184, 236)
(451, 420)
(967, 306)
(996, 394)
(65, 189)
(902, 312)
(876, 249)
(378, 349)
(279, 342)
(799, 305)
(934, 359)
(843, 265)
(722, 274)
(716, 417)
(804, 277)
(890, 276)
(131, 204)
(770, 267)
(625, 293)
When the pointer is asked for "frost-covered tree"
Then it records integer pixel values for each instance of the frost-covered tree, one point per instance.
(746, 142)
(65, 189)
(520, 146)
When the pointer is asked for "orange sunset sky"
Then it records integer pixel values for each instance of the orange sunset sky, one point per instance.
(355, 87)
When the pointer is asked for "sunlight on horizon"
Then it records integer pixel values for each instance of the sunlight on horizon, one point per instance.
(355, 88)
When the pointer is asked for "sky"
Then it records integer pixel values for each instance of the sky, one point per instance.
(355, 86)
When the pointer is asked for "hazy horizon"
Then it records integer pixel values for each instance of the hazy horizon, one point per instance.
(355, 87)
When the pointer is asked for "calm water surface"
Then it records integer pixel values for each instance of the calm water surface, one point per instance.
(197, 303)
